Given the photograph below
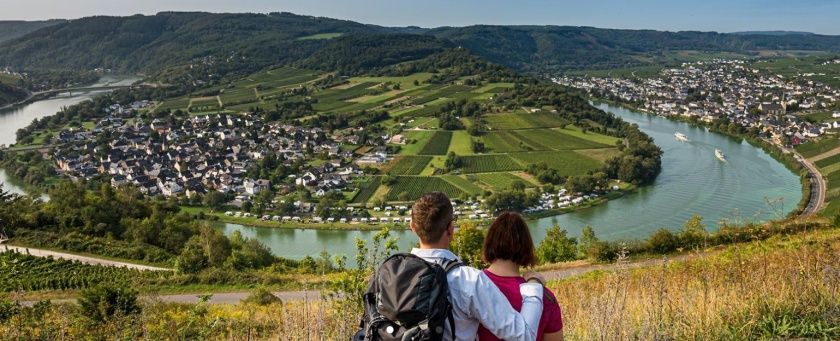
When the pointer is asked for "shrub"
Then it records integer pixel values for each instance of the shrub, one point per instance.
(602, 251)
(102, 303)
(8, 309)
(262, 297)
(662, 241)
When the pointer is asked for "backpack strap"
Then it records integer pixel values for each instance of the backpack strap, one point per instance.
(451, 264)
(450, 317)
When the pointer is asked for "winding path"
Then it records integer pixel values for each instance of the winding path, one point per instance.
(314, 295)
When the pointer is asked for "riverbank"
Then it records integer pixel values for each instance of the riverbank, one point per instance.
(220, 217)
(784, 156)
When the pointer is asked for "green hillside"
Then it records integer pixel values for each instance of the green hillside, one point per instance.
(10, 94)
(12, 29)
(469, 127)
(155, 42)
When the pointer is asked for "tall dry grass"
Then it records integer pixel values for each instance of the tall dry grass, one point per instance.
(783, 287)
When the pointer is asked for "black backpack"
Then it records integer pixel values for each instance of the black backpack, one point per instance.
(408, 300)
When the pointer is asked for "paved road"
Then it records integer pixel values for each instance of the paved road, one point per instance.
(83, 259)
(818, 187)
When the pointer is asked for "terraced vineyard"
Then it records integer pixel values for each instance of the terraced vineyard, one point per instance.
(416, 186)
(565, 162)
(463, 184)
(368, 190)
(29, 273)
(409, 165)
(438, 144)
(524, 121)
(490, 163)
(500, 181)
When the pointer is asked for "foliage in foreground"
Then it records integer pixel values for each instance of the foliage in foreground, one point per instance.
(783, 287)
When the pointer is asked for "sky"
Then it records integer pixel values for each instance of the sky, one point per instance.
(818, 16)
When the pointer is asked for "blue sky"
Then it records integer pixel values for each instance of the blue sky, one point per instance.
(819, 16)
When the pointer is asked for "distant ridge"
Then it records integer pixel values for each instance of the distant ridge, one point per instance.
(773, 33)
(12, 29)
(256, 40)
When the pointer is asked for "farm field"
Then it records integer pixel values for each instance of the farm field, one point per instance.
(40, 274)
(808, 68)
(254, 90)
(416, 186)
(463, 184)
(524, 121)
(408, 165)
(461, 143)
(204, 104)
(815, 148)
(487, 163)
(499, 181)
(503, 142)
(367, 191)
(416, 140)
(565, 162)
(438, 144)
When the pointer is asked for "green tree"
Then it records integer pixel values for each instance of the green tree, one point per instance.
(216, 246)
(467, 243)
(192, 258)
(694, 232)
(557, 246)
(588, 239)
(214, 199)
(249, 254)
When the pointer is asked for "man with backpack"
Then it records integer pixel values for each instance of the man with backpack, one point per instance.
(430, 295)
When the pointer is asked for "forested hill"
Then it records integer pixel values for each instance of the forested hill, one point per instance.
(154, 43)
(558, 48)
(145, 43)
(11, 29)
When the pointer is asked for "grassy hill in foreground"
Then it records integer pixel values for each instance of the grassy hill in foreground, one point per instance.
(783, 287)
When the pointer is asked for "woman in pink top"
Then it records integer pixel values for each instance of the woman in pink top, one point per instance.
(507, 247)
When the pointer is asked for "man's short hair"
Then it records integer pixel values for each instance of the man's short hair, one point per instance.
(509, 239)
(431, 215)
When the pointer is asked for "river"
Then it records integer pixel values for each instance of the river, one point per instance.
(750, 186)
(16, 117)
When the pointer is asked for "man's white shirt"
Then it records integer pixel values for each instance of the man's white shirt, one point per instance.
(476, 300)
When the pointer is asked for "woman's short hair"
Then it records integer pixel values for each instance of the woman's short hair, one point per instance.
(509, 239)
